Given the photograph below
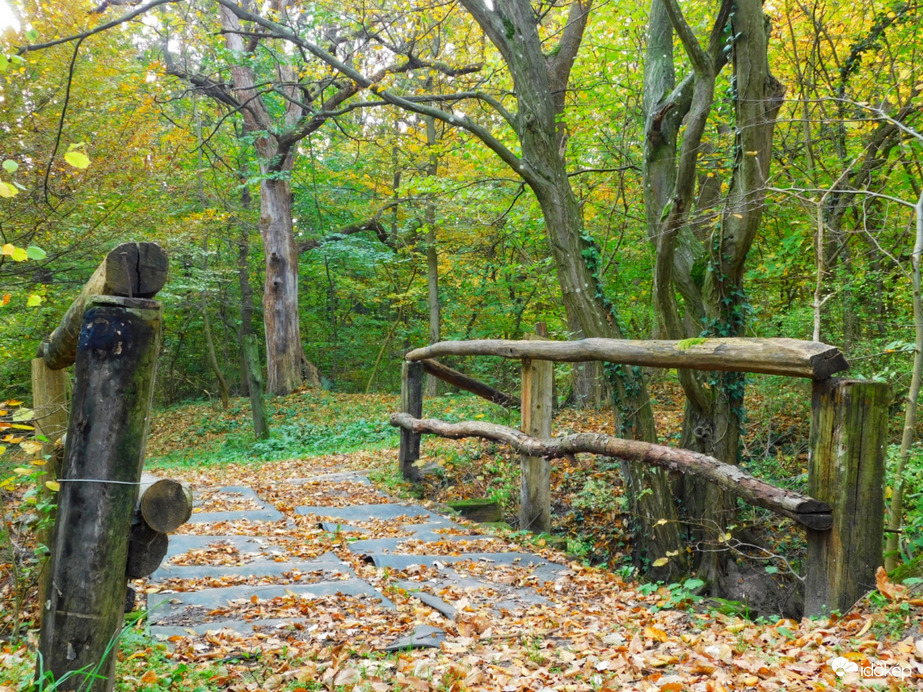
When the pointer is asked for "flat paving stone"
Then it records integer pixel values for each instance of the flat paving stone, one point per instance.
(390, 510)
(183, 543)
(544, 571)
(390, 545)
(190, 609)
(502, 596)
(356, 476)
(334, 527)
(266, 512)
(422, 637)
(327, 564)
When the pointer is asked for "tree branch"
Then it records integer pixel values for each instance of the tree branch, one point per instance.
(283, 32)
(96, 30)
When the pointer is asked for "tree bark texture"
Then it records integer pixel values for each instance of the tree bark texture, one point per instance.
(412, 405)
(432, 258)
(698, 260)
(116, 359)
(284, 351)
(255, 385)
(805, 510)
(789, 357)
(849, 432)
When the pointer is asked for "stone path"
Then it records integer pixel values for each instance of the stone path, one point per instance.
(240, 551)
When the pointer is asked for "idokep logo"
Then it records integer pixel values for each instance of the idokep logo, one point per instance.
(841, 665)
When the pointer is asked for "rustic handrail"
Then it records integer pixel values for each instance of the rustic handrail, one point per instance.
(805, 510)
(791, 357)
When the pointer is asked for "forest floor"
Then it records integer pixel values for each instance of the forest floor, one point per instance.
(566, 613)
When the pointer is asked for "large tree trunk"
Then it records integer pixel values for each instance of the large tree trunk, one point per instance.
(432, 259)
(280, 290)
(541, 83)
(715, 304)
(284, 352)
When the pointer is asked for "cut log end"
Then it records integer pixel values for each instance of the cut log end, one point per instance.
(166, 505)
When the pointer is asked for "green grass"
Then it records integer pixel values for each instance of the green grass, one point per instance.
(308, 424)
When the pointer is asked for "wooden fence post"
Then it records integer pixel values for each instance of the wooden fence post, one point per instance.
(82, 614)
(412, 403)
(849, 427)
(535, 476)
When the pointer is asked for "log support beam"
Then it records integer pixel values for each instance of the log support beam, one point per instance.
(469, 384)
(133, 270)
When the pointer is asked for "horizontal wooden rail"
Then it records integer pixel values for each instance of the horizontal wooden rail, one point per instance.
(805, 510)
(790, 357)
(131, 270)
(468, 383)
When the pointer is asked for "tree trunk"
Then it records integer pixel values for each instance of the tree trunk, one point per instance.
(432, 259)
(541, 84)
(284, 351)
(715, 301)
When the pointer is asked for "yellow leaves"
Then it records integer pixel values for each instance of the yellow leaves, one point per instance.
(16, 253)
(656, 634)
(76, 157)
(7, 190)
(661, 561)
(34, 300)
(31, 446)
(53, 486)
(892, 592)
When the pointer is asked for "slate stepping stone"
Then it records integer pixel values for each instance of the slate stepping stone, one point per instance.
(328, 564)
(422, 637)
(266, 512)
(389, 545)
(354, 476)
(190, 610)
(502, 596)
(386, 511)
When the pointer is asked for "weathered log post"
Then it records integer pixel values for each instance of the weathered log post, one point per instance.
(849, 427)
(412, 403)
(535, 476)
(115, 364)
(50, 403)
(256, 386)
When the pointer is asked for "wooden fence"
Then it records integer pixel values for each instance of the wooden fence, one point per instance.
(843, 511)
(104, 532)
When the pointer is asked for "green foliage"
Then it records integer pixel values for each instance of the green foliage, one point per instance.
(911, 539)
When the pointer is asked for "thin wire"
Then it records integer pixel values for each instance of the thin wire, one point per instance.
(96, 480)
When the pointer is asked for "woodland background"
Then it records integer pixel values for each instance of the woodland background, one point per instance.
(687, 215)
